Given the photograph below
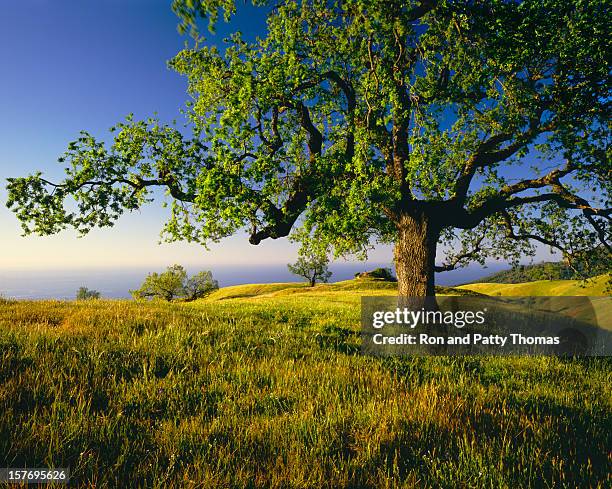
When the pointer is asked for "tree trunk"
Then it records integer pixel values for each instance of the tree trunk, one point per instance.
(415, 255)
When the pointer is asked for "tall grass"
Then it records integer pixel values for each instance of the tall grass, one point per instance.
(273, 392)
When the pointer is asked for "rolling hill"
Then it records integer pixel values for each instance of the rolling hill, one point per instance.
(360, 286)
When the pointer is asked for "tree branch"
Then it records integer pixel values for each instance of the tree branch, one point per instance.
(139, 184)
(456, 261)
(505, 199)
(423, 8)
(488, 154)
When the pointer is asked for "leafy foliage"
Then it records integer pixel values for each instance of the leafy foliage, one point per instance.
(482, 125)
(166, 285)
(173, 284)
(200, 285)
(85, 294)
(312, 266)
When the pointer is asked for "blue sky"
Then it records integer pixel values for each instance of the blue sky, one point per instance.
(71, 65)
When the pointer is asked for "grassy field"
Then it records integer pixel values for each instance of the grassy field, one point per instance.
(264, 386)
(594, 287)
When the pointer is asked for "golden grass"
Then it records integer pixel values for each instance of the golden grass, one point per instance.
(592, 287)
(265, 386)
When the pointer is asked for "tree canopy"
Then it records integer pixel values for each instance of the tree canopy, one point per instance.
(84, 293)
(312, 266)
(167, 285)
(174, 283)
(200, 285)
(484, 125)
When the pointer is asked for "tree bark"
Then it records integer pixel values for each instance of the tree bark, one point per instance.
(415, 255)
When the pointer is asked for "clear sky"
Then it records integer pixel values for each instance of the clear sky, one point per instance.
(70, 65)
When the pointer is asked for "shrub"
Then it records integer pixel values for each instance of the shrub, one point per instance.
(87, 294)
(378, 273)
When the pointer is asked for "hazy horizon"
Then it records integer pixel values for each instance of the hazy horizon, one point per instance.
(114, 283)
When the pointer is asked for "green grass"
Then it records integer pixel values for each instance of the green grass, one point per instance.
(264, 386)
(592, 287)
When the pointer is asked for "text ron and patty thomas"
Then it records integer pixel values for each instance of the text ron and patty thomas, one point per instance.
(459, 319)
(468, 339)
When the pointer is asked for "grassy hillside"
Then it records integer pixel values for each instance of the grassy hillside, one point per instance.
(531, 273)
(264, 386)
(549, 271)
(592, 287)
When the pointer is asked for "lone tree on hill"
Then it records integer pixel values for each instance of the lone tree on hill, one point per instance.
(478, 124)
(312, 266)
(173, 284)
(167, 285)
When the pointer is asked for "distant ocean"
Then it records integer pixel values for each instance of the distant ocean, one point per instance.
(115, 283)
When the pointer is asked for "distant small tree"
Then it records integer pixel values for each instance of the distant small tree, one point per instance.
(167, 285)
(200, 285)
(173, 284)
(311, 265)
(86, 294)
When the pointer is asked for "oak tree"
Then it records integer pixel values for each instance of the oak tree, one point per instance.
(84, 293)
(479, 125)
(200, 285)
(311, 266)
(166, 285)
